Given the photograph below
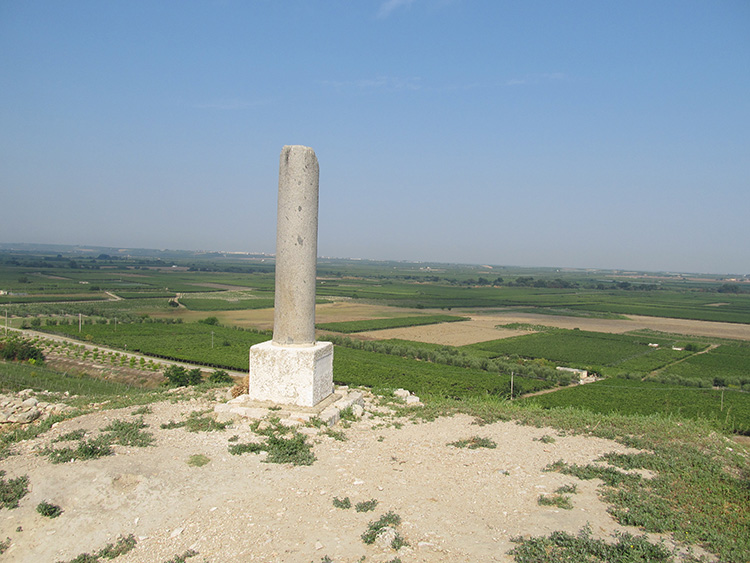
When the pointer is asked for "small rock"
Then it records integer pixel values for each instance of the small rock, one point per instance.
(358, 411)
(413, 400)
(291, 422)
(318, 545)
(176, 532)
(26, 417)
(386, 536)
(401, 393)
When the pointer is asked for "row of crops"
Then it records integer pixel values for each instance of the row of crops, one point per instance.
(198, 343)
(394, 322)
(103, 357)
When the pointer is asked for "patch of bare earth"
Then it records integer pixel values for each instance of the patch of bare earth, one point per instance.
(481, 328)
(457, 333)
(457, 504)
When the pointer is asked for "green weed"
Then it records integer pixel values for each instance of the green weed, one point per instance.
(567, 489)
(197, 422)
(389, 519)
(128, 433)
(48, 510)
(336, 434)
(70, 436)
(182, 558)
(283, 444)
(110, 551)
(366, 506)
(294, 450)
(474, 442)
(344, 503)
(117, 432)
(559, 501)
(253, 448)
(28, 433)
(12, 490)
(198, 460)
(4, 545)
(561, 547)
(85, 449)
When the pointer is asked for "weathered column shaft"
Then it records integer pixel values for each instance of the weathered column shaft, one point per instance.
(296, 247)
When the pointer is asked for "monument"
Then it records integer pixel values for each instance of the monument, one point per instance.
(293, 368)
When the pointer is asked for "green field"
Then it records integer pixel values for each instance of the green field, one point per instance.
(725, 365)
(199, 343)
(145, 294)
(60, 285)
(380, 324)
(597, 351)
(195, 304)
(647, 398)
(43, 298)
(380, 371)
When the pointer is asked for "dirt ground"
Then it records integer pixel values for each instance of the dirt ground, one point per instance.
(482, 328)
(457, 504)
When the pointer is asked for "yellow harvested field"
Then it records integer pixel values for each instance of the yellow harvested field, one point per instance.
(481, 328)
(447, 334)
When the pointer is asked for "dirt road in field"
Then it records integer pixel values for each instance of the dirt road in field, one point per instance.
(457, 504)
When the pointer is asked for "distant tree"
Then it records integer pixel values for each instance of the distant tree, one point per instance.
(729, 288)
(210, 321)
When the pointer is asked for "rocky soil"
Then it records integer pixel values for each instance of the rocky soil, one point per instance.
(455, 504)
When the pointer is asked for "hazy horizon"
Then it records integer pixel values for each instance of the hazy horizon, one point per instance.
(578, 134)
(559, 267)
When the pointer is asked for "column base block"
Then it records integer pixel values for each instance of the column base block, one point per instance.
(291, 375)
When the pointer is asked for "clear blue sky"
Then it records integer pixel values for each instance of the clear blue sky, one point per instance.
(594, 134)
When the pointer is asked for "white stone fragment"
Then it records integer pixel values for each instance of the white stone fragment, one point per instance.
(386, 536)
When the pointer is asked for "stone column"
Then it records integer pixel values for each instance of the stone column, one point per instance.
(296, 247)
(293, 368)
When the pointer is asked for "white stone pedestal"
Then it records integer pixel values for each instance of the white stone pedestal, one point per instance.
(292, 375)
